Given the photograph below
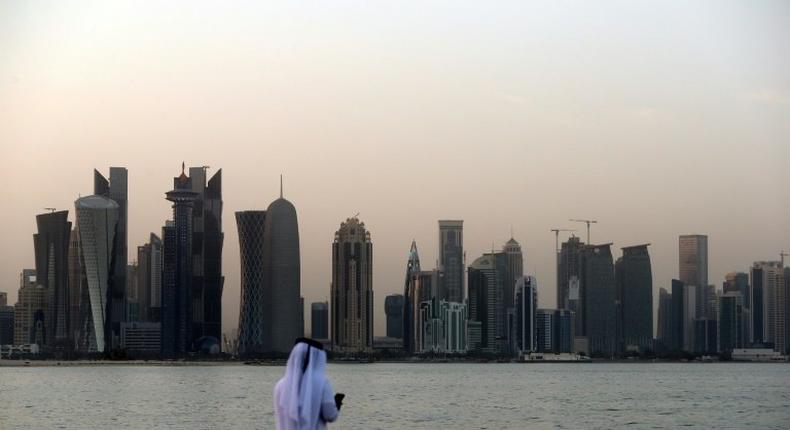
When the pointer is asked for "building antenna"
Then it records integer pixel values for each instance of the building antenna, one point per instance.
(281, 185)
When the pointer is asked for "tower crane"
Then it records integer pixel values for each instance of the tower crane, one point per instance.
(782, 256)
(588, 222)
(51, 210)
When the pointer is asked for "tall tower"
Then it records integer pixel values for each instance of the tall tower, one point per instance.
(693, 268)
(177, 287)
(409, 306)
(393, 307)
(766, 278)
(635, 297)
(97, 222)
(116, 189)
(599, 294)
(451, 260)
(569, 295)
(352, 288)
(51, 245)
(251, 311)
(515, 270)
(284, 311)
(526, 314)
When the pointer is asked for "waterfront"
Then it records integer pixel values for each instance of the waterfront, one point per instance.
(414, 396)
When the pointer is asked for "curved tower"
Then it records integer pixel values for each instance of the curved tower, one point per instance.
(251, 314)
(97, 221)
(283, 317)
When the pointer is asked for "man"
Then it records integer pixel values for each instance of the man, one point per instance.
(303, 398)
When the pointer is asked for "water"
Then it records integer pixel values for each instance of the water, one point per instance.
(411, 396)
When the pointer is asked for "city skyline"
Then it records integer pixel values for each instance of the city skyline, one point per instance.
(653, 121)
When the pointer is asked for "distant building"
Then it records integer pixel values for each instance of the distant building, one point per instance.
(6, 323)
(283, 319)
(514, 270)
(149, 279)
(97, 221)
(664, 332)
(3, 298)
(423, 287)
(683, 311)
(319, 320)
(635, 298)
(80, 315)
(569, 295)
(737, 282)
(141, 338)
(410, 303)
(29, 310)
(51, 244)
(526, 313)
(116, 189)
(443, 327)
(693, 268)
(731, 331)
(252, 308)
(451, 260)
(787, 310)
(486, 286)
(352, 288)
(766, 276)
(705, 336)
(393, 308)
(599, 293)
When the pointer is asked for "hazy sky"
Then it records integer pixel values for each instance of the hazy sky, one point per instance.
(655, 118)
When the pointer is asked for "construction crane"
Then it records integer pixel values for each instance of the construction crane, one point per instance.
(782, 256)
(51, 210)
(588, 222)
(557, 237)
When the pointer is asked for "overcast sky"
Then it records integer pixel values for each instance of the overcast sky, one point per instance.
(655, 118)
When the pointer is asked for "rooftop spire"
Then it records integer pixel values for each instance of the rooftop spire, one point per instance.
(281, 185)
(183, 167)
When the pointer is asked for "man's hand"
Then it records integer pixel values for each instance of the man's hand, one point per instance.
(339, 400)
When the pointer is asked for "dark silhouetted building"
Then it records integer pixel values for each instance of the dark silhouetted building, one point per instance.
(526, 312)
(731, 331)
(6, 321)
(410, 303)
(319, 320)
(693, 268)
(664, 332)
(116, 190)
(393, 308)
(251, 226)
(683, 311)
(765, 278)
(149, 279)
(486, 289)
(51, 245)
(352, 288)
(451, 260)
(599, 293)
(569, 295)
(635, 298)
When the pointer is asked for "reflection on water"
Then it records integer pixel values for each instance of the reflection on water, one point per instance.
(413, 396)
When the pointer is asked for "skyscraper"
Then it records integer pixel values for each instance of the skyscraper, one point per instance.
(569, 295)
(664, 332)
(177, 286)
(451, 260)
(486, 283)
(352, 288)
(51, 245)
(731, 317)
(599, 293)
(683, 315)
(116, 189)
(251, 226)
(79, 302)
(393, 308)
(319, 320)
(423, 291)
(29, 310)
(635, 297)
(737, 282)
(97, 221)
(514, 272)
(410, 305)
(526, 301)
(283, 317)
(693, 268)
(765, 278)
(149, 279)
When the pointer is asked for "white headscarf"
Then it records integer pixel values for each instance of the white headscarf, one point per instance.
(303, 386)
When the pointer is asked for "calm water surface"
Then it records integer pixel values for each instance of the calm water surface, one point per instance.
(413, 396)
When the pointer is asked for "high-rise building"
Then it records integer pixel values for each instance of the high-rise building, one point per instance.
(737, 282)
(97, 220)
(765, 277)
(780, 316)
(731, 333)
(545, 330)
(569, 295)
(443, 327)
(563, 331)
(251, 225)
(132, 296)
(451, 260)
(683, 311)
(178, 307)
(393, 308)
(79, 301)
(693, 268)
(423, 288)
(29, 310)
(514, 272)
(486, 285)
(410, 305)
(51, 245)
(635, 298)
(664, 332)
(526, 311)
(149, 279)
(319, 320)
(6, 320)
(116, 190)
(352, 288)
(787, 310)
(283, 319)
(599, 294)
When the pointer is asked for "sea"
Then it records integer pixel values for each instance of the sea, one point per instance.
(406, 396)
